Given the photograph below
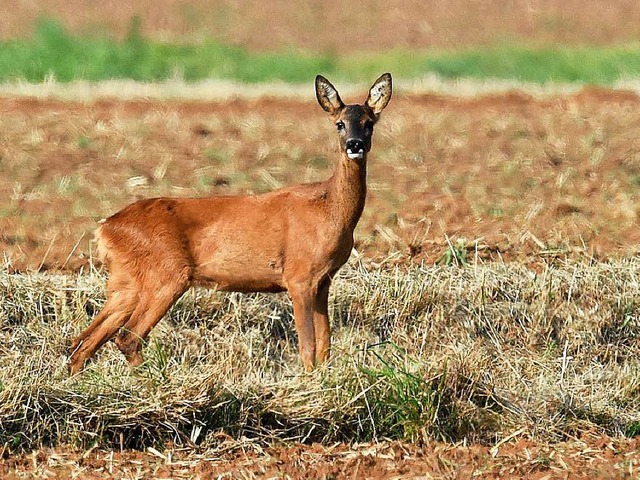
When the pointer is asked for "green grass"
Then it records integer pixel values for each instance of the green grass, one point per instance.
(53, 52)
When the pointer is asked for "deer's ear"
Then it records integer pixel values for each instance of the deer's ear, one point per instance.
(380, 93)
(327, 95)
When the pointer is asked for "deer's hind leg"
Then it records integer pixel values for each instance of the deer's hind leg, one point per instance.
(154, 303)
(122, 297)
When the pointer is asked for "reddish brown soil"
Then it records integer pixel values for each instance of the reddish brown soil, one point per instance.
(501, 177)
(600, 458)
(342, 27)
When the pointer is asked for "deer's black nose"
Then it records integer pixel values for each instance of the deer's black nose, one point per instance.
(355, 148)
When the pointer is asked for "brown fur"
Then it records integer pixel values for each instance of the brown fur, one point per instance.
(293, 239)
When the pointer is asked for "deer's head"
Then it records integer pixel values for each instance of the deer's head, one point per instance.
(354, 122)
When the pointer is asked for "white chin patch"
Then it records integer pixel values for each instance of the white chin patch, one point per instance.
(355, 156)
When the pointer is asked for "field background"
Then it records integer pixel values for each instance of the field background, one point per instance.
(488, 322)
(331, 26)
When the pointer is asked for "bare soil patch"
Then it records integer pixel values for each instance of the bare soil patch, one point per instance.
(598, 458)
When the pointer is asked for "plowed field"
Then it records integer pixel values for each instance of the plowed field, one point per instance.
(500, 177)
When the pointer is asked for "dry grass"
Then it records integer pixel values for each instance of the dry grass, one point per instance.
(217, 89)
(474, 353)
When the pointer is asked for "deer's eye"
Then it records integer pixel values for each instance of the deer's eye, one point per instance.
(368, 125)
(340, 125)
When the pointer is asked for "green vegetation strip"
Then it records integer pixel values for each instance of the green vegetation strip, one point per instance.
(451, 353)
(53, 52)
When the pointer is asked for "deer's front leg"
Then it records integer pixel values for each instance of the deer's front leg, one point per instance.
(321, 325)
(303, 303)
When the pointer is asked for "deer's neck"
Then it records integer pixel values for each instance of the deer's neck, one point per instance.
(348, 190)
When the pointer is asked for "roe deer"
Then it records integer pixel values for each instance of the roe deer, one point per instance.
(294, 239)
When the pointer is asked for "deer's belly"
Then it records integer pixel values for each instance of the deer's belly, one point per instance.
(240, 271)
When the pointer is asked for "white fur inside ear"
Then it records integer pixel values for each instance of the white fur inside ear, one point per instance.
(329, 93)
(380, 94)
(376, 92)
